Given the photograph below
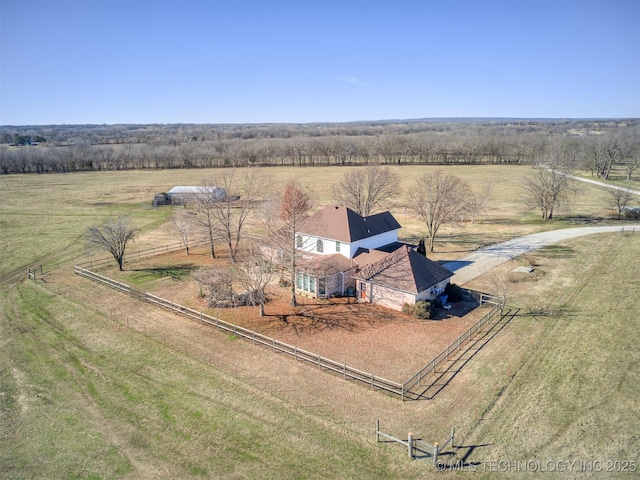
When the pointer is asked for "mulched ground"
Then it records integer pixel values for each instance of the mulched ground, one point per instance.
(364, 336)
(374, 339)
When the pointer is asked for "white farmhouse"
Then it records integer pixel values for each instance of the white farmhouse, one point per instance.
(342, 252)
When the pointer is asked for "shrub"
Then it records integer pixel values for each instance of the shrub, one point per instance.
(409, 309)
(422, 309)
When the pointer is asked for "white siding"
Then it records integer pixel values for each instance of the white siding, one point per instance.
(373, 242)
(310, 242)
(347, 250)
(427, 295)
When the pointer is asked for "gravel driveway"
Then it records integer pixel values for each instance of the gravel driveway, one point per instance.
(486, 258)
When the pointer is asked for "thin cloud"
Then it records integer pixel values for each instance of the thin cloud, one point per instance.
(354, 81)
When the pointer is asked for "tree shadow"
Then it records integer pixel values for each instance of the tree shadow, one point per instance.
(556, 251)
(455, 462)
(175, 272)
(346, 315)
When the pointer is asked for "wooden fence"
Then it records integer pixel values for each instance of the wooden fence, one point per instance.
(430, 367)
(348, 373)
(416, 447)
(39, 271)
(137, 255)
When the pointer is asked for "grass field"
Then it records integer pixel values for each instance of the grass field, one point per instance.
(574, 396)
(82, 396)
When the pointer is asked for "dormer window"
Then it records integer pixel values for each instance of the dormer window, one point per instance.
(319, 246)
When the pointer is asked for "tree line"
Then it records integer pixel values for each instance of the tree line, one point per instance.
(105, 148)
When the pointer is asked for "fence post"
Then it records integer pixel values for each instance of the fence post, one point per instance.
(453, 432)
(410, 445)
(435, 453)
(377, 430)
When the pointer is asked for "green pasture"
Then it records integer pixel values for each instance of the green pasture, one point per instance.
(43, 217)
(81, 397)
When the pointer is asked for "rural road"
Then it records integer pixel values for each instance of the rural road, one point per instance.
(484, 259)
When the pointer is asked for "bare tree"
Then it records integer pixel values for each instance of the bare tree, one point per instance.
(501, 284)
(181, 222)
(204, 220)
(603, 154)
(255, 273)
(216, 284)
(230, 213)
(268, 212)
(113, 237)
(477, 201)
(244, 283)
(631, 164)
(438, 198)
(621, 198)
(366, 190)
(549, 186)
(294, 209)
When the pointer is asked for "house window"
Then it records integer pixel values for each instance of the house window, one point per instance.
(306, 283)
(337, 246)
(322, 289)
(320, 246)
(299, 241)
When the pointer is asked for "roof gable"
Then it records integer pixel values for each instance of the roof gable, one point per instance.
(345, 225)
(406, 270)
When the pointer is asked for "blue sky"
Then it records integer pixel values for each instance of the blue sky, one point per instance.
(315, 61)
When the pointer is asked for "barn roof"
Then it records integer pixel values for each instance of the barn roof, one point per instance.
(182, 189)
(187, 190)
